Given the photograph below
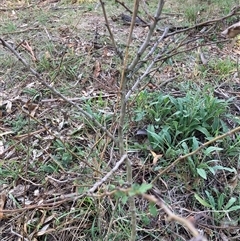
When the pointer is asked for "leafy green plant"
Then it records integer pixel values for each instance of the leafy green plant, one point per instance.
(172, 121)
(219, 203)
(178, 126)
(18, 124)
(8, 173)
(205, 165)
(63, 156)
(95, 108)
(222, 67)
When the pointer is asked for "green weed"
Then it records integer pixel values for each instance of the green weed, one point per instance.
(222, 205)
(177, 126)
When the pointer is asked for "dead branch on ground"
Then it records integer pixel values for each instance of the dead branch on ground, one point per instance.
(173, 217)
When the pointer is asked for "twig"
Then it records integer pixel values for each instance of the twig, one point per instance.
(78, 98)
(150, 53)
(104, 179)
(20, 31)
(58, 200)
(146, 72)
(26, 46)
(238, 72)
(110, 31)
(232, 13)
(131, 12)
(160, 58)
(56, 8)
(148, 37)
(18, 235)
(195, 151)
(167, 81)
(43, 82)
(172, 53)
(111, 220)
(172, 216)
(124, 80)
(48, 204)
(226, 97)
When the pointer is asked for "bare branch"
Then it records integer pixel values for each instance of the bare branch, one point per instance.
(131, 12)
(104, 179)
(172, 216)
(235, 11)
(148, 68)
(149, 35)
(232, 31)
(110, 31)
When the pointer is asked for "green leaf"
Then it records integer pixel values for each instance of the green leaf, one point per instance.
(225, 168)
(145, 219)
(211, 149)
(221, 201)
(202, 173)
(144, 188)
(124, 199)
(195, 144)
(202, 201)
(151, 129)
(66, 158)
(211, 200)
(234, 208)
(230, 203)
(167, 135)
(211, 169)
(203, 130)
(185, 147)
(119, 194)
(153, 210)
(140, 116)
(156, 138)
(111, 187)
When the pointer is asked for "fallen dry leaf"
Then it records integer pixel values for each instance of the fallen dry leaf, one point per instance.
(97, 69)
(155, 157)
